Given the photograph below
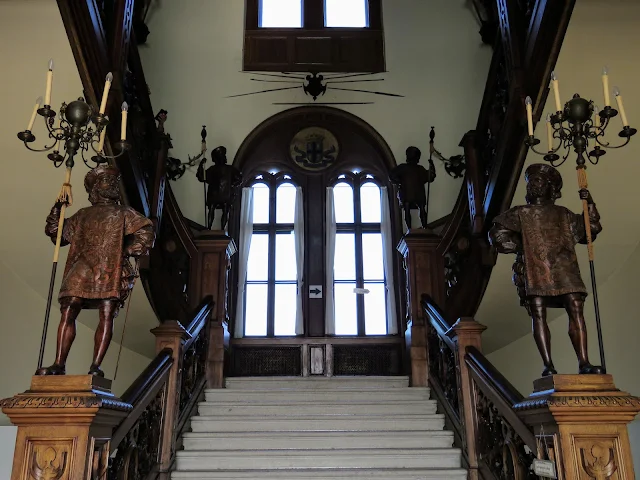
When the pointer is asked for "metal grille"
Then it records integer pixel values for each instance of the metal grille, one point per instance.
(266, 361)
(366, 360)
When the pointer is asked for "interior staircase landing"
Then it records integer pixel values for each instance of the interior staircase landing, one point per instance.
(318, 428)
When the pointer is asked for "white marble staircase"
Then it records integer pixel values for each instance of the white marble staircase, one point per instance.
(318, 428)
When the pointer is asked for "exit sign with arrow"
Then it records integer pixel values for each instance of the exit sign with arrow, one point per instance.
(315, 291)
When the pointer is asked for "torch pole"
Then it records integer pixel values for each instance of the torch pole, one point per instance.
(581, 169)
(65, 197)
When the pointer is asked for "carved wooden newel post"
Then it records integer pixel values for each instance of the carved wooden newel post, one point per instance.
(424, 267)
(584, 419)
(211, 266)
(170, 335)
(65, 424)
(468, 333)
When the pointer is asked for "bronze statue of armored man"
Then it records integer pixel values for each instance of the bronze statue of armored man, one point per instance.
(97, 274)
(410, 178)
(222, 181)
(543, 237)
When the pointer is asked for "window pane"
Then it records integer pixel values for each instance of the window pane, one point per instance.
(285, 203)
(373, 267)
(258, 264)
(375, 309)
(255, 317)
(285, 256)
(343, 202)
(345, 13)
(370, 203)
(346, 309)
(285, 309)
(280, 14)
(260, 203)
(344, 264)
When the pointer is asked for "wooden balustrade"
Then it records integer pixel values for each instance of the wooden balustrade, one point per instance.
(477, 400)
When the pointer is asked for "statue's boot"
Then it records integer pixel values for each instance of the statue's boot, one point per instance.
(588, 369)
(95, 370)
(54, 369)
(549, 370)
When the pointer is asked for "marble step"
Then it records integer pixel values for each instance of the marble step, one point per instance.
(369, 423)
(315, 383)
(316, 440)
(283, 397)
(328, 474)
(295, 459)
(411, 407)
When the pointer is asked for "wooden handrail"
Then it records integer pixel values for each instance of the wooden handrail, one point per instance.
(199, 320)
(438, 320)
(143, 390)
(148, 377)
(495, 379)
(500, 392)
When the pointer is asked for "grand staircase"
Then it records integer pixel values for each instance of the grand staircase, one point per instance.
(318, 428)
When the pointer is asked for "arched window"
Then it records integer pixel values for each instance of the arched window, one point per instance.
(270, 293)
(359, 283)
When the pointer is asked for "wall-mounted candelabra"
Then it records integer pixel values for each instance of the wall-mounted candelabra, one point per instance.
(580, 124)
(454, 166)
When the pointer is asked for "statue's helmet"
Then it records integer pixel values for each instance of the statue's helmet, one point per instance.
(219, 154)
(94, 174)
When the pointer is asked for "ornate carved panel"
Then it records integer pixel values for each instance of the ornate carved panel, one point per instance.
(50, 459)
(367, 360)
(599, 458)
(266, 361)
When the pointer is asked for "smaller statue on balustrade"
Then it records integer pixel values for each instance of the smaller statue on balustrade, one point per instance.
(546, 272)
(410, 178)
(223, 181)
(98, 274)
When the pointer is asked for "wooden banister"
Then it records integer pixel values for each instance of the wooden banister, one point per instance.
(476, 398)
(142, 392)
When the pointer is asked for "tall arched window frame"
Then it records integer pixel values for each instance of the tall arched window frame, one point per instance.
(359, 283)
(271, 283)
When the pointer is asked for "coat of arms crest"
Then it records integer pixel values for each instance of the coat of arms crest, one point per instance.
(314, 148)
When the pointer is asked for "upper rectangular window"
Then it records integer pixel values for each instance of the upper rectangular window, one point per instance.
(313, 35)
(346, 13)
(280, 14)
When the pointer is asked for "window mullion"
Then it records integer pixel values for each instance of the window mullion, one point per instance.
(313, 14)
(359, 260)
(271, 292)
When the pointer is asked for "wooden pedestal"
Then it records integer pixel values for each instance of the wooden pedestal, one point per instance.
(211, 266)
(583, 419)
(424, 267)
(64, 425)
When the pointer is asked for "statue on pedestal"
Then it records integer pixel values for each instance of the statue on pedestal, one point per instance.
(97, 274)
(223, 181)
(546, 273)
(410, 178)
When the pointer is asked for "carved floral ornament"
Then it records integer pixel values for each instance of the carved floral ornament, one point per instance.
(48, 464)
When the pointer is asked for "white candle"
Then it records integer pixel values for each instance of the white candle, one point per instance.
(34, 113)
(549, 132)
(123, 128)
(527, 104)
(623, 115)
(556, 91)
(105, 92)
(101, 142)
(605, 86)
(47, 94)
(596, 115)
